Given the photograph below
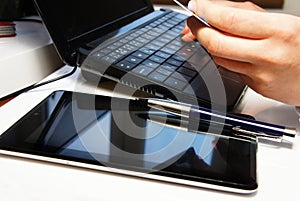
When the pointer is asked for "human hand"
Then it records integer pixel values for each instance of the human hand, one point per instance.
(188, 35)
(264, 48)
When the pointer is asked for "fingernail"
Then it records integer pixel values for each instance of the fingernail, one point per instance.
(192, 5)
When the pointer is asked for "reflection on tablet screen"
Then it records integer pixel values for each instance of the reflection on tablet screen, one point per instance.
(69, 126)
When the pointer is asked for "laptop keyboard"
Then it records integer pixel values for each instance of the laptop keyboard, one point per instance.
(157, 52)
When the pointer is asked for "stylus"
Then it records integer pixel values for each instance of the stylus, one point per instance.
(245, 126)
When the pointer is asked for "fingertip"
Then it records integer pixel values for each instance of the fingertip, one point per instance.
(185, 29)
(192, 5)
(188, 37)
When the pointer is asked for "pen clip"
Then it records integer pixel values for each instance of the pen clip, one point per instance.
(254, 135)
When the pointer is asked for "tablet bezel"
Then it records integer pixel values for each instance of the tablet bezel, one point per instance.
(12, 151)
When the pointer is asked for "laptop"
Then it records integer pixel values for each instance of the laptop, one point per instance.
(131, 43)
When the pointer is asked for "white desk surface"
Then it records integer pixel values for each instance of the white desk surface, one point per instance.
(26, 58)
(277, 167)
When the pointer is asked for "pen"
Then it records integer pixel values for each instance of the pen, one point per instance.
(242, 125)
(181, 123)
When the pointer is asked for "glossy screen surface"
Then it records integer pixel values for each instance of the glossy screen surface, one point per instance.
(83, 128)
(77, 18)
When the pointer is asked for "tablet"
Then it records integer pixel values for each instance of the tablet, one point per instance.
(111, 135)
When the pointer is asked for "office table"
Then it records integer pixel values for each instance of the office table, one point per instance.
(26, 58)
(278, 165)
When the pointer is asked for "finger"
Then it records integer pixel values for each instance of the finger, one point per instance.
(185, 29)
(223, 45)
(239, 67)
(188, 37)
(233, 20)
(244, 5)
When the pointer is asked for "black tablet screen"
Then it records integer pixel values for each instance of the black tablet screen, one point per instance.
(94, 130)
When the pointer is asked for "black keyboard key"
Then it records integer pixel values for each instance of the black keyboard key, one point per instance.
(189, 65)
(108, 59)
(198, 88)
(194, 45)
(169, 67)
(178, 58)
(163, 40)
(163, 27)
(157, 43)
(167, 24)
(180, 17)
(152, 47)
(173, 47)
(187, 71)
(156, 32)
(148, 37)
(115, 55)
(186, 78)
(187, 51)
(118, 44)
(199, 60)
(104, 51)
(175, 83)
(210, 69)
(140, 55)
(129, 48)
(182, 77)
(123, 51)
(162, 54)
(136, 43)
(125, 65)
(174, 62)
(205, 82)
(168, 50)
(150, 64)
(111, 47)
(157, 59)
(133, 59)
(142, 70)
(178, 42)
(164, 71)
(170, 35)
(157, 76)
(147, 51)
(142, 40)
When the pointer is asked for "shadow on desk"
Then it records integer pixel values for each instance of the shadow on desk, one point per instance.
(285, 115)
